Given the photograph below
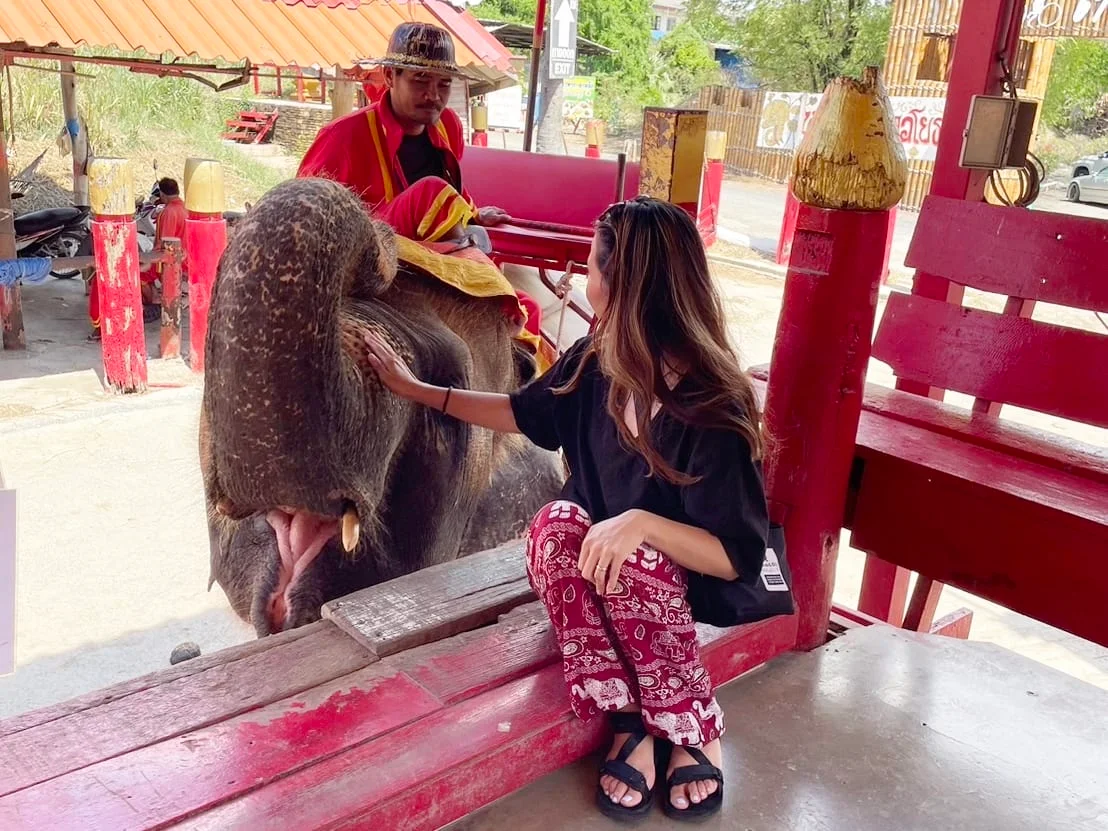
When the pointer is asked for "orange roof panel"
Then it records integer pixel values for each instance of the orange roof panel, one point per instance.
(283, 32)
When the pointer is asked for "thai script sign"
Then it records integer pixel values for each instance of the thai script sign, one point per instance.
(785, 117)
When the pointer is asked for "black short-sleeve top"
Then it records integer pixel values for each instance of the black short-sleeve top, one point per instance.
(608, 478)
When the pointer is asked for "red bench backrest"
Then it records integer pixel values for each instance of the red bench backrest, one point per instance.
(570, 190)
(1006, 358)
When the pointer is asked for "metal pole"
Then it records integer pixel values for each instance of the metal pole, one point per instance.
(621, 176)
(536, 59)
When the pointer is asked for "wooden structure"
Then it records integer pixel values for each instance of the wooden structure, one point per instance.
(918, 65)
(419, 701)
(250, 126)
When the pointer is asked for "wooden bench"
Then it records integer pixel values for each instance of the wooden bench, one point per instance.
(251, 126)
(1012, 514)
(521, 184)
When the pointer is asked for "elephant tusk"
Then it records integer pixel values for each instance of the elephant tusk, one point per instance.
(351, 530)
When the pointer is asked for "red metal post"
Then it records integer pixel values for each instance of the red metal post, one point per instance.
(594, 138)
(533, 77)
(171, 300)
(814, 399)
(115, 248)
(205, 239)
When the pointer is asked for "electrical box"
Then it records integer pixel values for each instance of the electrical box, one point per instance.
(998, 132)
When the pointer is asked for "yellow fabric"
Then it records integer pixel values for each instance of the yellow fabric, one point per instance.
(467, 276)
(432, 212)
(476, 279)
(386, 171)
(460, 214)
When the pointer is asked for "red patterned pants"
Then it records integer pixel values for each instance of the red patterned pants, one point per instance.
(636, 645)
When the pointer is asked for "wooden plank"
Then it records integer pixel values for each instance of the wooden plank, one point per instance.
(321, 630)
(1033, 255)
(187, 703)
(464, 666)
(436, 602)
(1036, 446)
(464, 757)
(1000, 358)
(1029, 538)
(174, 779)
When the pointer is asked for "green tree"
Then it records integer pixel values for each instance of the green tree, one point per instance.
(801, 45)
(684, 62)
(1078, 82)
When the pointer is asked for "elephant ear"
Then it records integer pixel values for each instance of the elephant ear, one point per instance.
(376, 268)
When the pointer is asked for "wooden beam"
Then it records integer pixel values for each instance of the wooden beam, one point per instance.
(11, 303)
(78, 135)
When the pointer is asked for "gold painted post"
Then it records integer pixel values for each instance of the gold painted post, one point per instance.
(673, 155)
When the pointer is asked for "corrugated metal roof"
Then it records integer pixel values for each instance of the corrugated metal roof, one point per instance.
(286, 33)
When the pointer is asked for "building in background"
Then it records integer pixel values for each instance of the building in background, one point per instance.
(667, 14)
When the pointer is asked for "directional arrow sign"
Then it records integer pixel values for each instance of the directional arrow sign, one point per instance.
(562, 38)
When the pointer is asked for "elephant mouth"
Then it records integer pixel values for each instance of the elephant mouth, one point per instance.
(301, 537)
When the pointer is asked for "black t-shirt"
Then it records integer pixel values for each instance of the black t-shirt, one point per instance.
(419, 158)
(607, 478)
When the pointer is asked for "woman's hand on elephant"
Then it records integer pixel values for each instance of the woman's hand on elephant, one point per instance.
(607, 546)
(390, 367)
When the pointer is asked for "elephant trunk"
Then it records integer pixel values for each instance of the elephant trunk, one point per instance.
(286, 403)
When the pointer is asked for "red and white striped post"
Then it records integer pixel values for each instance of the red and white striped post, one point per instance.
(115, 247)
(205, 239)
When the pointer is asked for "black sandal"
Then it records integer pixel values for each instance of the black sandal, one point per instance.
(700, 772)
(618, 768)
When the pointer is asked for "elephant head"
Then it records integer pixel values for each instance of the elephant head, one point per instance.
(319, 481)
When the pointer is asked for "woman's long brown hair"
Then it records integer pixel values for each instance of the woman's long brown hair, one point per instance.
(664, 308)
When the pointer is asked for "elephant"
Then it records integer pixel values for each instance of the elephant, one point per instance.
(318, 481)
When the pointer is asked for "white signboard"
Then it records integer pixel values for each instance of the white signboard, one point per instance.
(785, 117)
(505, 108)
(7, 580)
(562, 38)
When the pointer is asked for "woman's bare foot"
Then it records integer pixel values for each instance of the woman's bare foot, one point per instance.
(641, 759)
(694, 792)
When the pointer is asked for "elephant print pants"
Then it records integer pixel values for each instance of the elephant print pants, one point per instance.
(636, 645)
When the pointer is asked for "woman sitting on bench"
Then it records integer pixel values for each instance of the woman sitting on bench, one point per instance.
(664, 505)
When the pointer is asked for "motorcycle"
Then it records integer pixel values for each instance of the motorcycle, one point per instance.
(55, 232)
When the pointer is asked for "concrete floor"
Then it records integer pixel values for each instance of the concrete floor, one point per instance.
(882, 730)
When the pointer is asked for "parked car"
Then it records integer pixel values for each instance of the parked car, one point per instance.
(1088, 165)
(1091, 188)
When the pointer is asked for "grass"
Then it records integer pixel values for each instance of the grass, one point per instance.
(1058, 152)
(134, 116)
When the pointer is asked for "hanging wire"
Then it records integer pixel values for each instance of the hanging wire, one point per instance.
(1030, 175)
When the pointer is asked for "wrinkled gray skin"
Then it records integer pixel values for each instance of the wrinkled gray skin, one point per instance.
(294, 419)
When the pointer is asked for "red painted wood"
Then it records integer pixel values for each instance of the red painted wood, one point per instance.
(1034, 255)
(884, 591)
(460, 667)
(814, 397)
(986, 29)
(711, 190)
(179, 705)
(527, 246)
(123, 337)
(925, 599)
(1000, 358)
(523, 183)
(1035, 446)
(99, 698)
(170, 339)
(180, 777)
(955, 625)
(205, 240)
(457, 760)
(1027, 537)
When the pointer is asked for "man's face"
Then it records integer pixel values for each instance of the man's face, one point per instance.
(417, 96)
